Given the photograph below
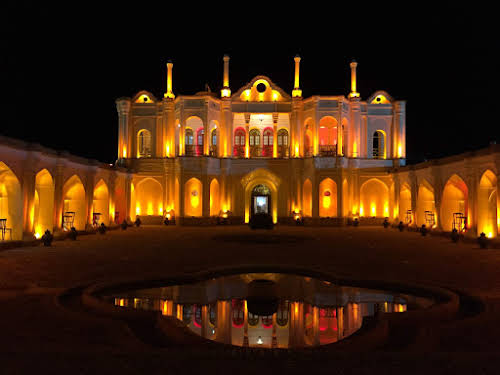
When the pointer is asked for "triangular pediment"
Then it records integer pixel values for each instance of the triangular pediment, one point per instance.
(261, 89)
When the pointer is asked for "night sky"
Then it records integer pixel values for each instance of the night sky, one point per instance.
(63, 68)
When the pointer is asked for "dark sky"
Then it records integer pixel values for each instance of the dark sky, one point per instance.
(63, 67)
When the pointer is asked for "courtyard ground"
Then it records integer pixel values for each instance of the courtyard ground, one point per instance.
(39, 335)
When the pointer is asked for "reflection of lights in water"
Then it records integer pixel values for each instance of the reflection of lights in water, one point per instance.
(259, 341)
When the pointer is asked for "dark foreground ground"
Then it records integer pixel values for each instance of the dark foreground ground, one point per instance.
(37, 335)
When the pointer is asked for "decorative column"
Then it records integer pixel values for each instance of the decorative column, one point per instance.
(296, 332)
(224, 322)
(28, 193)
(275, 134)
(274, 339)
(247, 135)
(472, 183)
(245, 325)
(128, 199)
(315, 326)
(414, 193)
(340, 195)
(225, 146)
(400, 122)
(123, 109)
(204, 322)
(169, 127)
(315, 197)
(438, 194)
(89, 194)
(58, 194)
(297, 92)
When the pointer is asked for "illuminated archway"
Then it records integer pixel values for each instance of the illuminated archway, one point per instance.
(148, 197)
(11, 205)
(74, 201)
(426, 208)
(327, 198)
(307, 198)
(405, 205)
(454, 201)
(261, 177)
(487, 204)
(327, 134)
(193, 193)
(374, 199)
(379, 146)
(194, 133)
(214, 198)
(100, 202)
(43, 217)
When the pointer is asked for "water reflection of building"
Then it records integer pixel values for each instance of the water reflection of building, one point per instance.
(295, 324)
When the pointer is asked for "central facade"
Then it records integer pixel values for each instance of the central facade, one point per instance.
(260, 149)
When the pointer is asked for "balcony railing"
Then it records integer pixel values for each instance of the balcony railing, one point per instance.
(328, 150)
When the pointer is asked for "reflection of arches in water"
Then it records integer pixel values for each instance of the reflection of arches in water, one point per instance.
(187, 312)
(261, 199)
(253, 320)
(238, 313)
(282, 314)
(212, 313)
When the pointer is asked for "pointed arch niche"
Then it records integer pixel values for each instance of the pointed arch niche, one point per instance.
(43, 217)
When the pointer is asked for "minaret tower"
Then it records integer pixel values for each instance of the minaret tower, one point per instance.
(297, 92)
(226, 91)
(354, 93)
(169, 94)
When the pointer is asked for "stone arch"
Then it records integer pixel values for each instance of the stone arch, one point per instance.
(374, 199)
(11, 204)
(307, 198)
(487, 204)
(327, 198)
(148, 197)
(43, 217)
(100, 203)
(454, 200)
(405, 204)
(214, 197)
(425, 202)
(144, 140)
(193, 198)
(74, 198)
(261, 177)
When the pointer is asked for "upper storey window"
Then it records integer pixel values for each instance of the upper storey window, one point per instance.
(378, 145)
(144, 144)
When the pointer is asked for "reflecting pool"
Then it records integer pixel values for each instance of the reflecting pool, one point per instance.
(269, 310)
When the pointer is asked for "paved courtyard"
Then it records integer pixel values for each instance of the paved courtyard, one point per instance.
(38, 334)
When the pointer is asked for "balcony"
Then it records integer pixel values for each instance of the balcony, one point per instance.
(328, 150)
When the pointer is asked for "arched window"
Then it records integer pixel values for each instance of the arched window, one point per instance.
(213, 143)
(267, 141)
(254, 142)
(144, 144)
(378, 145)
(239, 142)
(189, 142)
(199, 141)
(283, 143)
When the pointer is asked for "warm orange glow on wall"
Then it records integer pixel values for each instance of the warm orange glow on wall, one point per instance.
(373, 209)
(400, 151)
(297, 150)
(361, 211)
(137, 209)
(124, 152)
(354, 149)
(225, 93)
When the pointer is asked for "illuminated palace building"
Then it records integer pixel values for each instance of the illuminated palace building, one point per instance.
(197, 158)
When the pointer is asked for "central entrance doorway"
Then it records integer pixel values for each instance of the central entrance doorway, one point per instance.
(261, 200)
